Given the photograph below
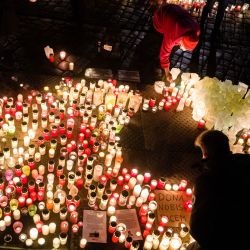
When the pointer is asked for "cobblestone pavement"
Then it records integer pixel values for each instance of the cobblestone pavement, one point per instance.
(83, 27)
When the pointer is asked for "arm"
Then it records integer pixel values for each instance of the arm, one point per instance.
(166, 48)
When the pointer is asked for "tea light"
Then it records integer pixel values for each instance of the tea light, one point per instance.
(83, 243)
(29, 242)
(111, 211)
(175, 187)
(168, 186)
(41, 241)
(62, 55)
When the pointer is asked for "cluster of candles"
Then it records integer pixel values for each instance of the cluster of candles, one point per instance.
(69, 140)
(176, 97)
(244, 141)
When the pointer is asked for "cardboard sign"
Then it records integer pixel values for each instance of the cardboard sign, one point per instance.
(98, 73)
(171, 204)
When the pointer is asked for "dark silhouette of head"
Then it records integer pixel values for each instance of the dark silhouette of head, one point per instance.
(213, 143)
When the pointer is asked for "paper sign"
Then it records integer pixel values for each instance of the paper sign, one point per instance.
(94, 226)
(129, 218)
(170, 204)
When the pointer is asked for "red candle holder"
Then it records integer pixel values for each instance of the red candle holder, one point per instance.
(69, 133)
(161, 183)
(120, 180)
(145, 233)
(164, 221)
(151, 197)
(167, 106)
(21, 201)
(134, 172)
(31, 186)
(201, 124)
(23, 179)
(112, 227)
(127, 177)
(40, 195)
(115, 237)
(31, 163)
(33, 196)
(147, 177)
(153, 184)
(19, 187)
(124, 171)
(62, 180)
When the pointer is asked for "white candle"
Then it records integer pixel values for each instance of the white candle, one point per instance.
(132, 182)
(71, 66)
(140, 179)
(29, 242)
(16, 214)
(33, 233)
(111, 211)
(83, 243)
(148, 243)
(62, 55)
(7, 220)
(41, 241)
(56, 243)
(52, 227)
(137, 190)
(164, 244)
(45, 230)
(26, 141)
(175, 243)
(2, 225)
(36, 218)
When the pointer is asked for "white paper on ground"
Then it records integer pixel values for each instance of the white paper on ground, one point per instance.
(94, 226)
(129, 218)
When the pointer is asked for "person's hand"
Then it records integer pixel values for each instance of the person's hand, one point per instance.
(168, 75)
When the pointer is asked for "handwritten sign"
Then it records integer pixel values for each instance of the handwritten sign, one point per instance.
(170, 204)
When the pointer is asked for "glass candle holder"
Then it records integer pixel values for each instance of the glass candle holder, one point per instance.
(17, 227)
(13, 204)
(92, 199)
(63, 238)
(46, 214)
(63, 213)
(123, 198)
(32, 209)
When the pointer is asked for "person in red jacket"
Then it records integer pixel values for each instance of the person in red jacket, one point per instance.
(178, 28)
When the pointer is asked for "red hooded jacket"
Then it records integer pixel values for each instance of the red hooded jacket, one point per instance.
(174, 23)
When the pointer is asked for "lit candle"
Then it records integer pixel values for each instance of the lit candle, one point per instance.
(62, 55)
(71, 66)
(33, 233)
(52, 227)
(83, 243)
(189, 191)
(111, 211)
(175, 243)
(164, 221)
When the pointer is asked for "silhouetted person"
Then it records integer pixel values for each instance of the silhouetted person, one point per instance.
(178, 28)
(220, 215)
